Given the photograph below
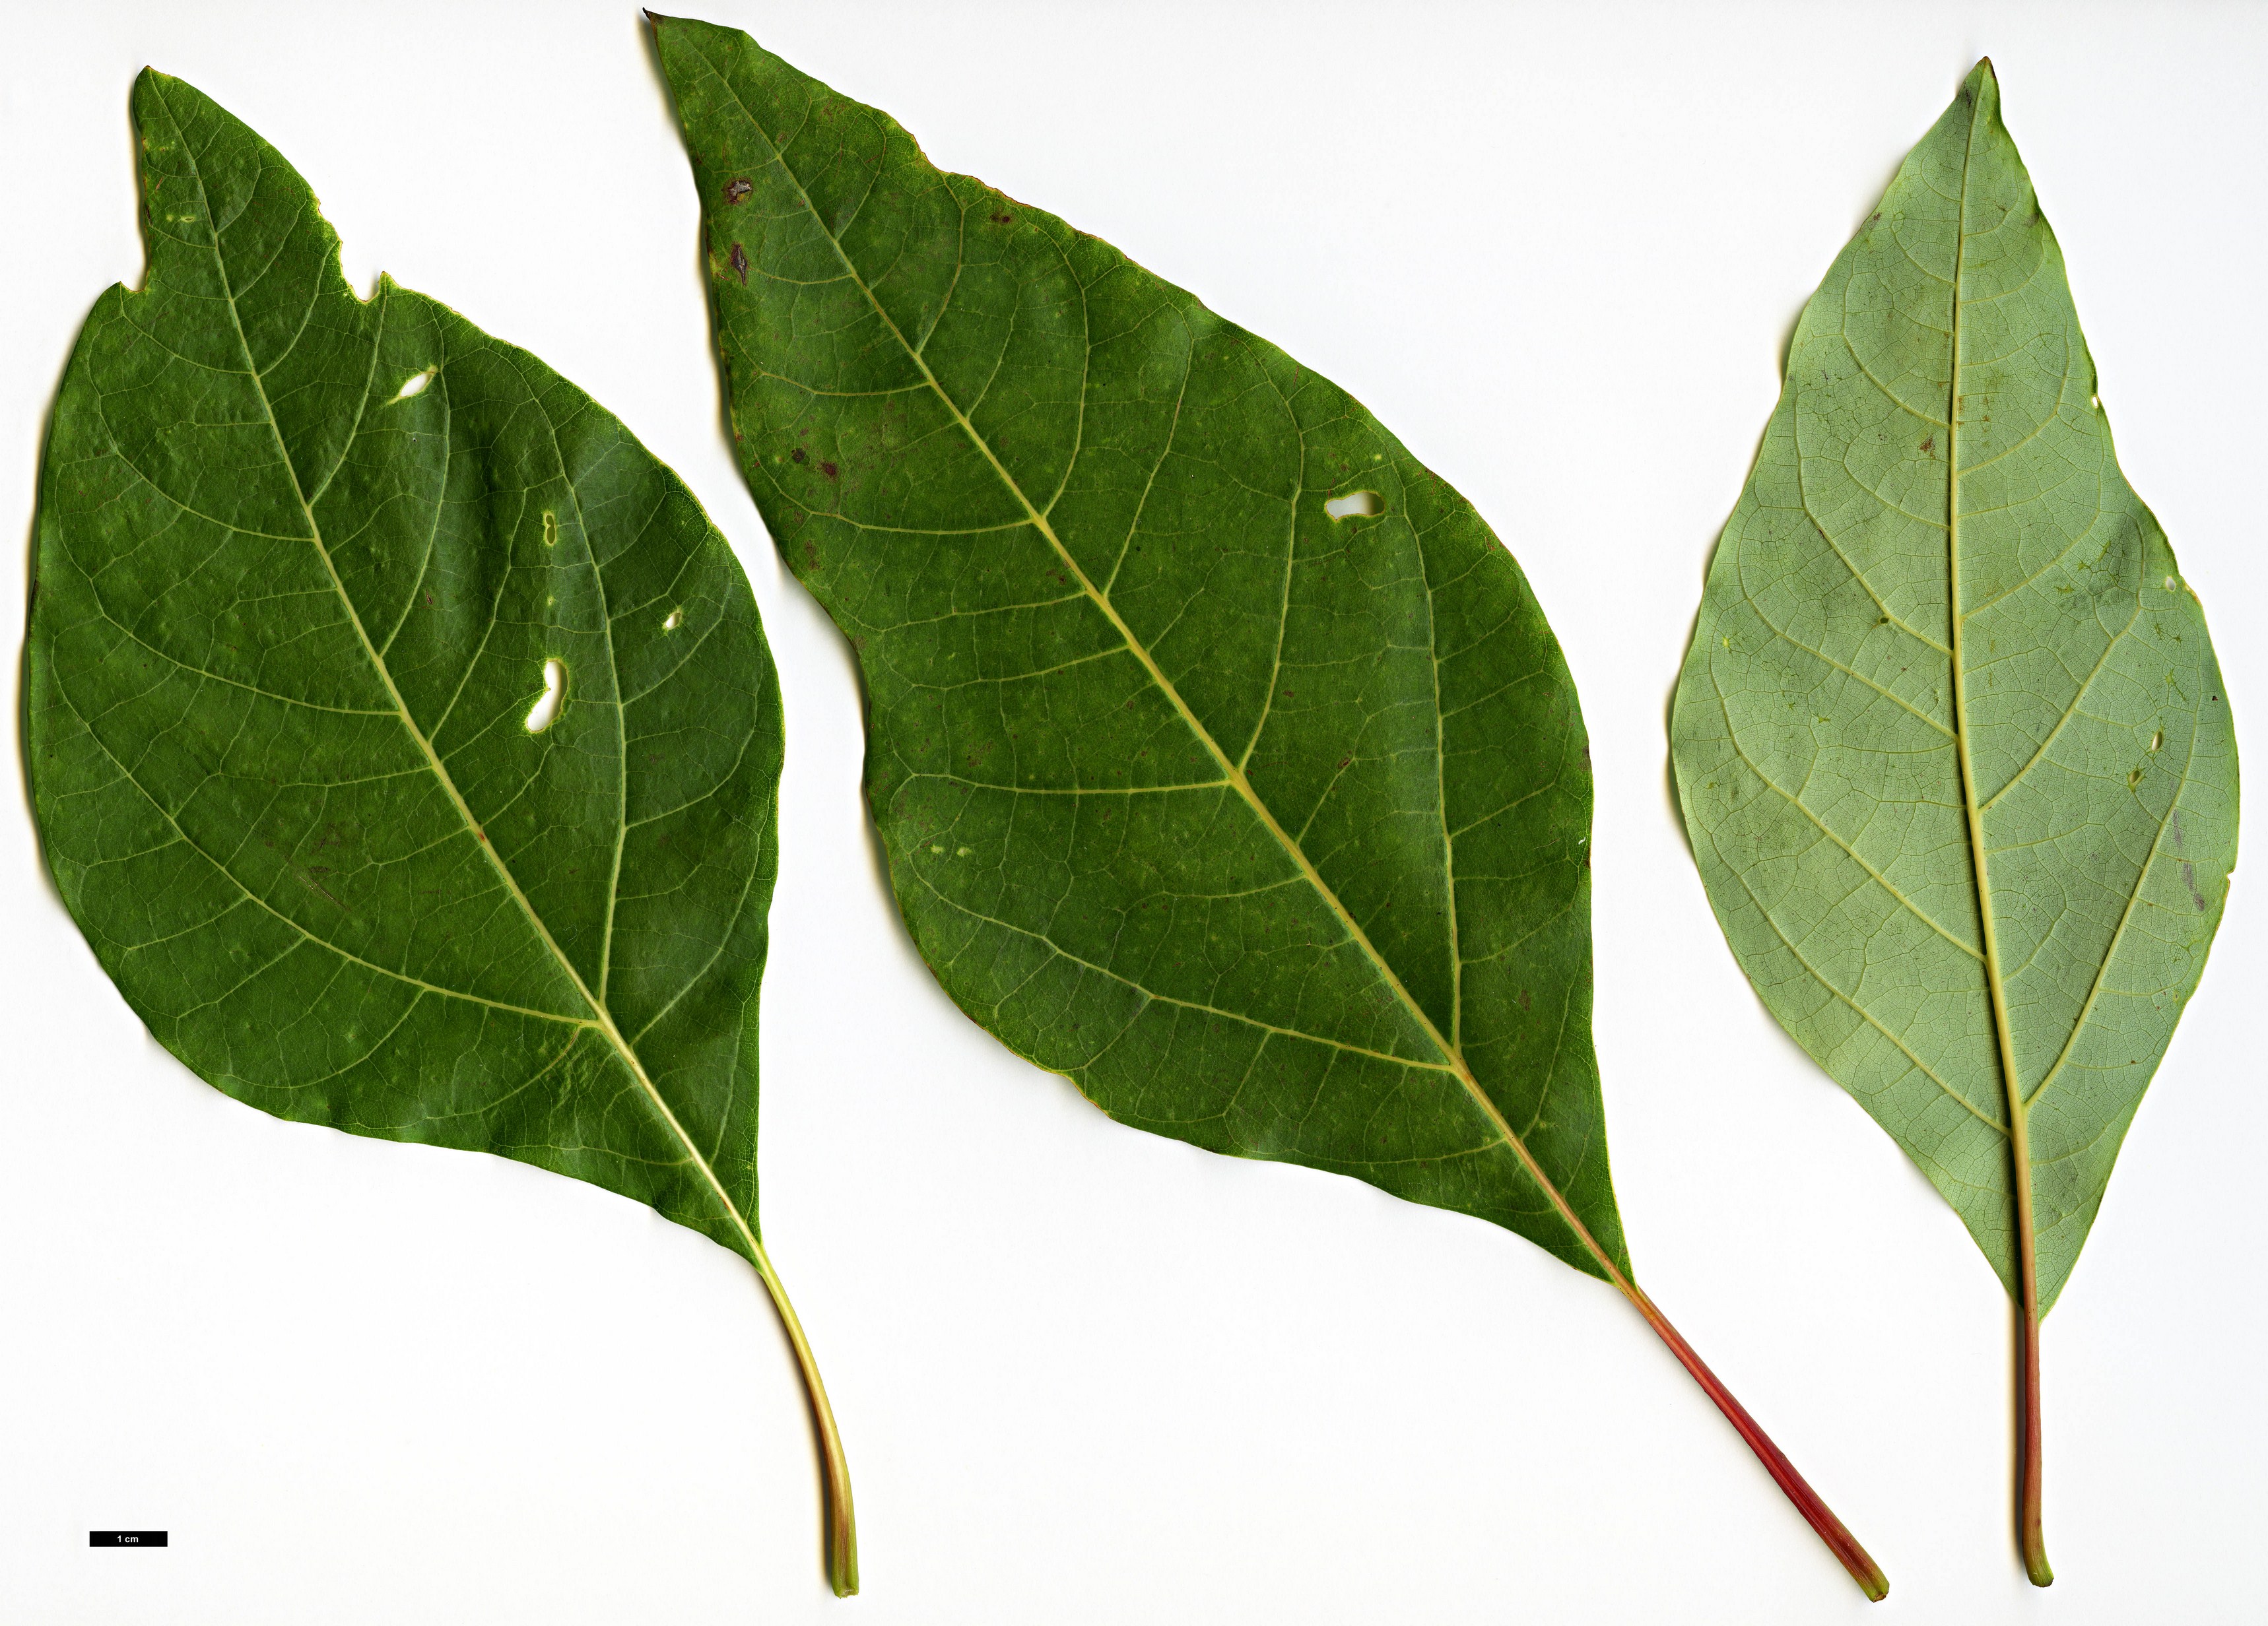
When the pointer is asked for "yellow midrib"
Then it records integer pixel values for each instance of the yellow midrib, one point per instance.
(1231, 772)
(1996, 989)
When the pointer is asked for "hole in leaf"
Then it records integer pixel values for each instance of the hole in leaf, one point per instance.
(2157, 739)
(416, 384)
(672, 622)
(1354, 505)
(2169, 584)
(2095, 401)
(550, 529)
(545, 711)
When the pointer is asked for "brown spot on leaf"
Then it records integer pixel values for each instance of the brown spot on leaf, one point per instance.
(1003, 218)
(737, 188)
(797, 455)
(1930, 444)
(828, 469)
(740, 264)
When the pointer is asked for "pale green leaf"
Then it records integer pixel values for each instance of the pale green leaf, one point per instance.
(1951, 740)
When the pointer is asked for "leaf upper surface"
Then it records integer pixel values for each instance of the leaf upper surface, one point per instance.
(1937, 555)
(303, 563)
(1268, 828)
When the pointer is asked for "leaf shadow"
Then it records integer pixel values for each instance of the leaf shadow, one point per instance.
(23, 718)
(1670, 794)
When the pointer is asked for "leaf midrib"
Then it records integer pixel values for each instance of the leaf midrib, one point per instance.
(1995, 984)
(601, 1018)
(1231, 771)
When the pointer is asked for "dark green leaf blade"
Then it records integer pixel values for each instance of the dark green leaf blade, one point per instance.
(307, 569)
(1951, 739)
(1178, 775)
(1225, 762)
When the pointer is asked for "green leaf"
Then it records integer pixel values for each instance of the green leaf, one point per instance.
(1951, 742)
(307, 567)
(1225, 762)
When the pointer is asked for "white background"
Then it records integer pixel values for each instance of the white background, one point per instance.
(1086, 1374)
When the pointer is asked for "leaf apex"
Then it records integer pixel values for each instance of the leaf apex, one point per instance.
(148, 84)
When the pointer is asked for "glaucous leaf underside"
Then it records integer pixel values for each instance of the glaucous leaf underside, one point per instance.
(1951, 742)
(1224, 762)
(306, 565)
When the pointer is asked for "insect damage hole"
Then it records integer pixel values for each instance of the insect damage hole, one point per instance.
(545, 711)
(416, 384)
(1355, 504)
(672, 622)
